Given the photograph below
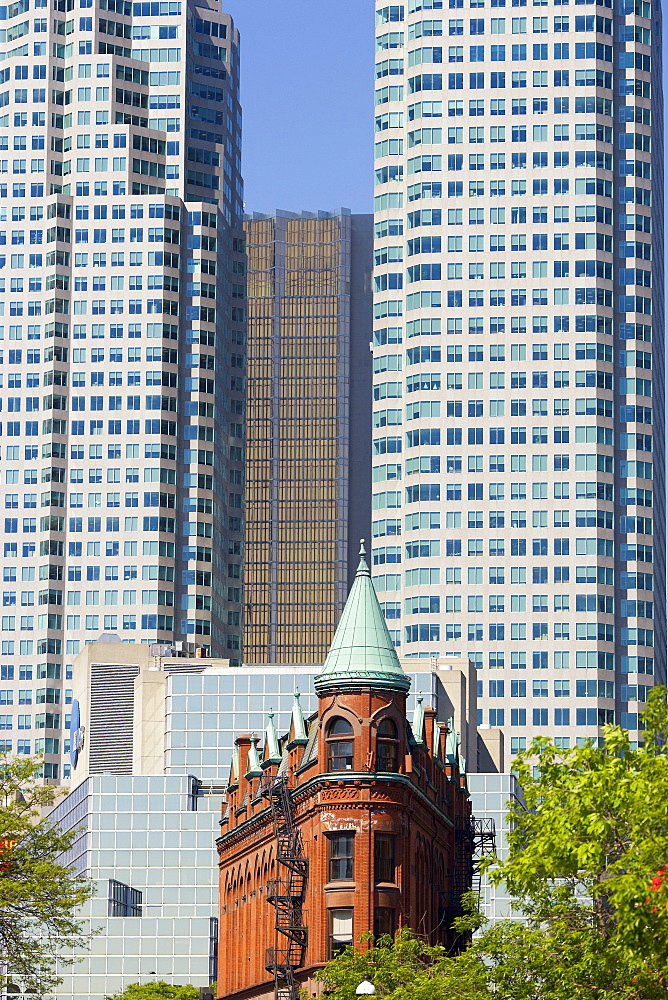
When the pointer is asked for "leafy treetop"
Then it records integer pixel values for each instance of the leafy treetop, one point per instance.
(39, 892)
(158, 990)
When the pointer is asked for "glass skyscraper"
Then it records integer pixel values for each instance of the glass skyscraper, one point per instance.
(308, 473)
(123, 280)
(518, 494)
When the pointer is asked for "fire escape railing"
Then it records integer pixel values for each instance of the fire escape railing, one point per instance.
(286, 894)
(475, 839)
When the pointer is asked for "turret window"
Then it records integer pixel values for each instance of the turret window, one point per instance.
(384, 862)
(341, 856)
(387, 746)
(340, 746)
(340, 930)
(384, 921)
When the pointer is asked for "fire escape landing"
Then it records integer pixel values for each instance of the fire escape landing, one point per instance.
(475, 839)
(287, 894)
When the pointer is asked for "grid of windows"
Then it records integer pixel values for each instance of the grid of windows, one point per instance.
(121, 318)
(145, 824)
(515, 204)
(308, 315)
(218, 707)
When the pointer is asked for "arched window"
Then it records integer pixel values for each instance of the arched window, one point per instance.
(386, 727)
(387, 746)
(339, 745)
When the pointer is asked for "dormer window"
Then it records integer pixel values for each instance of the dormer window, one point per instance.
(339, 745)
(387, 746)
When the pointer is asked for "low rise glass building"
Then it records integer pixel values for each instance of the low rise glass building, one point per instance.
(148, 788)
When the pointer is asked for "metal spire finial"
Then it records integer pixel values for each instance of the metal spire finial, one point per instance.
(363, 567)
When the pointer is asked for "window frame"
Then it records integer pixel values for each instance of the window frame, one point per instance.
(335, 945)
(385, 863)
(344, 861)
(384, 915)
(387, 747)
(340, 749)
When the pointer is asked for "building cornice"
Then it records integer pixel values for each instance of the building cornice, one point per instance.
(367, 779)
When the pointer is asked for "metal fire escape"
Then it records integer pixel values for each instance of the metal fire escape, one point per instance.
(483, 832)
(287, 894)
(475, 839)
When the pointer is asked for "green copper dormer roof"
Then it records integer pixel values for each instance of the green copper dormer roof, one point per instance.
(362, 653)
(298, 734)
(273, 753)
(438, 729)
(451, 743)
(462, 762)
(417, 725)
(254, 765)
(234, 771)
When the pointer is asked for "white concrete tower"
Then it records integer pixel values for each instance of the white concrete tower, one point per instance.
(518, 511)
(123, 280)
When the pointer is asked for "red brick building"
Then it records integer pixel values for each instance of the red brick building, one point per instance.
(345, 825)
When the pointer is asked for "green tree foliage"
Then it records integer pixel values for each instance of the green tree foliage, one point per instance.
(407, 968)
(592, 836)
(585, 864)
(39, 895)
(156, 991)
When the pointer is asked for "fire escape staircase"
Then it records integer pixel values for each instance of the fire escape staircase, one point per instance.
(483, 835)
(287, 894)
(475, 839)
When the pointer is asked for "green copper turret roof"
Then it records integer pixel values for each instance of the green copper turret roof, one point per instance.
(362, 653)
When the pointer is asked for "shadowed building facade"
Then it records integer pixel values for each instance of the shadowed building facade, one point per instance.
(348, 824)
(308, 465)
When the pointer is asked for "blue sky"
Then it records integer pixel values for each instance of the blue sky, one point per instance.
(307, 95)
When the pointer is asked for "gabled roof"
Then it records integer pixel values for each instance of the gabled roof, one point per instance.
(362, 653)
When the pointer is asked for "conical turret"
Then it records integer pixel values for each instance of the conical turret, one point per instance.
(362, 653)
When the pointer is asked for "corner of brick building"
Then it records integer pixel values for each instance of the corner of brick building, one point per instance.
(376, 801)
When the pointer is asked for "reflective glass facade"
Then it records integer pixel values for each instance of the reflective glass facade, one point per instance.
(151, 856)
(309, 388)
(206, 712)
